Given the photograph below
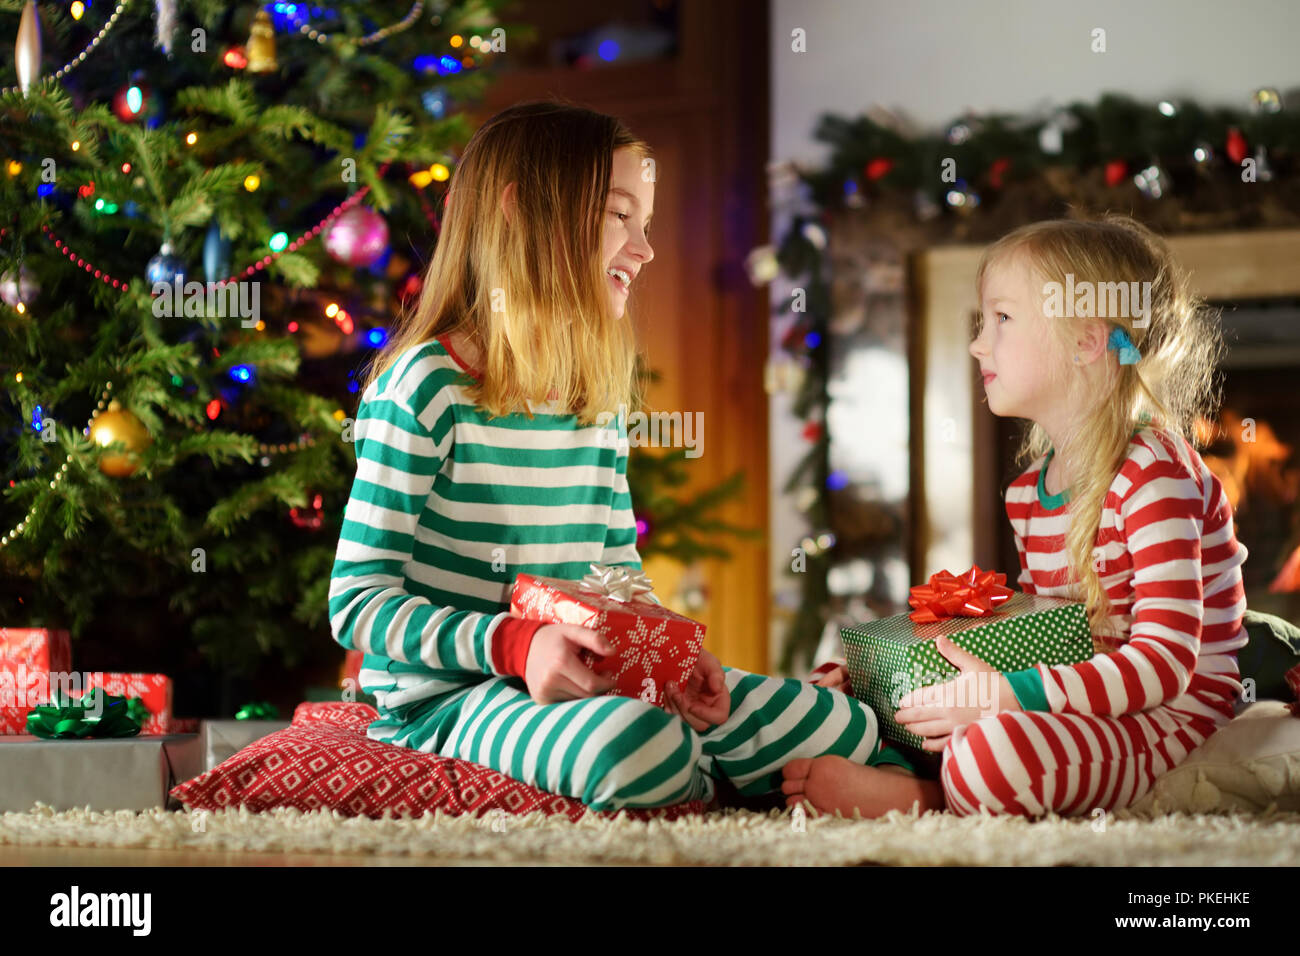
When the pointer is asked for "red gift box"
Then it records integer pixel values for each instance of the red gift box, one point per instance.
(154, 689)
(652, 645)
(28, 655)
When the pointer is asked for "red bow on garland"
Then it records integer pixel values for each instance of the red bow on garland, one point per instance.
(974, 594)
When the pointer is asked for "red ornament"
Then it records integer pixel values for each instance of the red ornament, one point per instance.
(793, 339)
(977, 593)
(878, 167)
(309, 518)
(1236, 145)
(998, 170)
(410, 287)
(1116, 170)
(812, 431)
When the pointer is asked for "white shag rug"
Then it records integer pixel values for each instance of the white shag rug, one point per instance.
(724, 838)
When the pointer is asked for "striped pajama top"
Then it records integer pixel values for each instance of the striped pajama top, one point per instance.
(1171, 567)
(446, 508)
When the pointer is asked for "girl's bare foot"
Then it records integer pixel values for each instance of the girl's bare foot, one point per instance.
(833, 783)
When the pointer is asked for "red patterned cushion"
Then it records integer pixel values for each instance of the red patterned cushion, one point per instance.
(325, 760)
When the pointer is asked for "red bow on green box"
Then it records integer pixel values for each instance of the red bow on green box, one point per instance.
(974, 594)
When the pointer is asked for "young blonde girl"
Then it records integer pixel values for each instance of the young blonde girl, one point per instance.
(1116, 509)
(482, 452)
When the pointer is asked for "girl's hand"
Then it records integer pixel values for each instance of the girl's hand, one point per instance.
(935, 712)
(555, 672)
(837, 678)
(705, 702)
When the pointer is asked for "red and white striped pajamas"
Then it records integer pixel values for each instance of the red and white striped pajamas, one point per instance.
(1108, 727)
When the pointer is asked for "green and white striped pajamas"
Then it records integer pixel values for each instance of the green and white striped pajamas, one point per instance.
(446, 508)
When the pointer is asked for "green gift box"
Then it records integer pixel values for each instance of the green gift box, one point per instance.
(890, 657)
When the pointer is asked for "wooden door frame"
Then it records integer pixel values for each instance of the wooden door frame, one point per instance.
(715, 93)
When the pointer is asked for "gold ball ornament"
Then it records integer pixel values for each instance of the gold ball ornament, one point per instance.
(117, 424)
(261, 45)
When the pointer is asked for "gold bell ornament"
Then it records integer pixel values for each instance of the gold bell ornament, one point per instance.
(261, 45)
(118, 424)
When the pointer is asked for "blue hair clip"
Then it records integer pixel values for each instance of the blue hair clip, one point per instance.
(1121, 343)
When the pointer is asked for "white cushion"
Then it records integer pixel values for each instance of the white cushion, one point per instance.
(1250, 763)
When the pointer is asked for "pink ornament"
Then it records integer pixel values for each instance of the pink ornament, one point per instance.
(358, 237)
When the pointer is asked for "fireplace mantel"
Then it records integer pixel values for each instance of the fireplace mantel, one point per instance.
(956, 489)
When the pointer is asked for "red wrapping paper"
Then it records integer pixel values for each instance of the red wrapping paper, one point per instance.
(652, 645)
(27, 656)
(976, 593)
(154, 689)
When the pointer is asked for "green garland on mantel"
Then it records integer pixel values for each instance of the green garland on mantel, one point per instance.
(1174, 165)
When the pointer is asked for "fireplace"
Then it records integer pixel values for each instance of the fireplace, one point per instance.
(962, 454)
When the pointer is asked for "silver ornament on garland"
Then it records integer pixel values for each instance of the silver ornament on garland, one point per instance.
(962, 198)
(164, 267)
(22, 288)
(967, 126)
(1151, 181)
(1051, 137)
(27, 49)
(1263, 171)
(1266, 100)
(925, 206)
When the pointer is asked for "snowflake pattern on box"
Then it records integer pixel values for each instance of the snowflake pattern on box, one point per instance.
(652, 645)
(154, 689)
(28, 655)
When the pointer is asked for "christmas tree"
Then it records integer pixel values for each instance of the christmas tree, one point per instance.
(208, 217)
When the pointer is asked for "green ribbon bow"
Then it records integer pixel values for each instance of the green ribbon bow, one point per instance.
(259, 710)
(96, 714)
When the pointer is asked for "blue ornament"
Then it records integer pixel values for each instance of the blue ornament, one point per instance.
(164, 267)
(435, 102)
(216, 254)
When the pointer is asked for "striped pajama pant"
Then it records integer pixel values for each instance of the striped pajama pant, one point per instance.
(612, 752)
(1027, 763)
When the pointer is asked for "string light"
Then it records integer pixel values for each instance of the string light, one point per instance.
(14, 167)
(251, 182)
(63, 470)
(191, 139)
(76, 61)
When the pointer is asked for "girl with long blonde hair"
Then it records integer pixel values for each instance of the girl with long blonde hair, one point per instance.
(488, 444)
(1091, 332)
